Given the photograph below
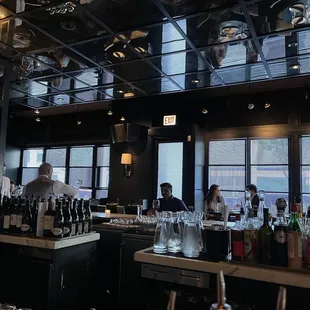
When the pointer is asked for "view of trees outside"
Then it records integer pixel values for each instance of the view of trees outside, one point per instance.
(305, 171)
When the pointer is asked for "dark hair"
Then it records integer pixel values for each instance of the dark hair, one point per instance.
(252, 187)
(209, 196)
(166, 184)
(12, 182)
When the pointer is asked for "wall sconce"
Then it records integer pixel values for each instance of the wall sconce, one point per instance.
(127, 161)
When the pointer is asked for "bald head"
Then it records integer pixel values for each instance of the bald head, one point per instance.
(46, 169)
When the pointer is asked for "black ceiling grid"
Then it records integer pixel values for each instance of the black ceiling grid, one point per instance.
(227, 33)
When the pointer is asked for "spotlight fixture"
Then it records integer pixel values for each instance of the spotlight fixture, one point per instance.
(38, 119)
(37, 111)
(119, 55)
(140, 50)
(204, 111)
(295, 66)
(122, 118)
(267, 105)
(110, 112)
(120, 91)
(129, 94)
(78, 122)
(250, 106)
(195, 81)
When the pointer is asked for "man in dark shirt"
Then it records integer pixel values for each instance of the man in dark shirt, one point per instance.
(169, 202)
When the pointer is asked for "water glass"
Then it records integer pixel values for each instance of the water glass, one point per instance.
(191, 243)
(161, 234)
(174, 233)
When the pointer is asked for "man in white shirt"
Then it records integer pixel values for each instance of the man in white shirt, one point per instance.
(6, 185)
(44, 187)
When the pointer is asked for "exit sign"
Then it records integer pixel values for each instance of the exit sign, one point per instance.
(170, 120)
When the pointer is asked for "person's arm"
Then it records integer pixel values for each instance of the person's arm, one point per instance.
(183, 206)
(62, 188)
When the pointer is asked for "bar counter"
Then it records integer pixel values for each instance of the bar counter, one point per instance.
(277, 275)
(45, 243)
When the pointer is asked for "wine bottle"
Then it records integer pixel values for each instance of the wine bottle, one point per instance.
(67, 219)
(265, 237)
(48, 219)
(250, 239)
(75, 220)
(26, 219)
(6, 215)
(88, 218)
(58, 226)
(237, 240)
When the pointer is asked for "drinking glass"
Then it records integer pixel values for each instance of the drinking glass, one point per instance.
(191, 240)
(156, 205)
(174, 233)
(161, 234)
(8, 307)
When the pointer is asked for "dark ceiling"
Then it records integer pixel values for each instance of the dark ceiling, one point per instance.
(69, 52)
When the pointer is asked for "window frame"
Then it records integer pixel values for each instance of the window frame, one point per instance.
(67, 166)
(301, 166)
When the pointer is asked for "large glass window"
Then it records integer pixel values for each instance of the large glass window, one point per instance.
(227, 168)
(305, 171)
(32, 159)
(269, 169)
(170, 167)
(74, 165)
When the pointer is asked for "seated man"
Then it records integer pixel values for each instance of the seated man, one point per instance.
(169, 202)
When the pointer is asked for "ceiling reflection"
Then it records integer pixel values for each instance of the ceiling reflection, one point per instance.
(91, 50)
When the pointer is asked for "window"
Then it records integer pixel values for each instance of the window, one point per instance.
(227, 168)
(305, 171)
(170, 167)
(80, 171)
(32, 159)
(72, 165)
(102, 172)
(269, 169)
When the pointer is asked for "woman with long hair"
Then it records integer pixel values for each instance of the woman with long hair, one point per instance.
(214, 202)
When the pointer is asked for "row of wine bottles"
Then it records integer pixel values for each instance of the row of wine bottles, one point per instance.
(51, 219)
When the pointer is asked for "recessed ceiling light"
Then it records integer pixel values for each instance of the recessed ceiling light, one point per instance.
(295, 66)
(204, 111)
(38, 119)
(195, 81)
(250, 106)
(119, 55)
(78, 122)
(267, 105)
(37, 111)
(60, 99)
(122, 118)
(120, 91)
(129, 94)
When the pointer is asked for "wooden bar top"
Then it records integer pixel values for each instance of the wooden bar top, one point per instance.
(276, 275)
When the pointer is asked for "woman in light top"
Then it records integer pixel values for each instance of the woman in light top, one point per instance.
(214, 203)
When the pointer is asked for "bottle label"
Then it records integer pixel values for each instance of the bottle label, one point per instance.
(25, 227)
(80, 228)
(6, 221)
(19, 220)
(86, 227)
(73, 230)
(280, 236)
(66, 230)
(47, 222)
(238, 248)
(290, 245)
(57, 231)
(250, 245)
(13, 220)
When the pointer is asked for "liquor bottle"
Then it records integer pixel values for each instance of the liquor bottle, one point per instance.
(26, 227)
(58, 226)
(34, 213)
(81, 217)
(242, 216)
(237, 240)
(279, 247)
(75, 219)
(2, 211)
(265, 237)
(48, 219)
(221, 294)
(294, 242)
(19, 214)
(88, 226)
(298, 203)
(261, 206)
(250, 239)
(67, 219)
(6, 214)
(248, 204)
(13, 216)
(306, 241)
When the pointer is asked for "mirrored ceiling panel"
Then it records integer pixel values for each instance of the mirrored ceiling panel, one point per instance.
(125, 14)
(178, 8)
(195, 80)
(20, 7)
(122, 91)
(69, 27)
(110, 50)
(158, 86)
(4, 13)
